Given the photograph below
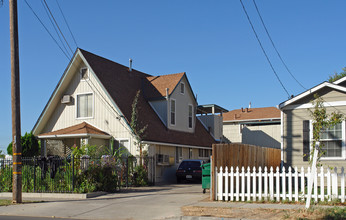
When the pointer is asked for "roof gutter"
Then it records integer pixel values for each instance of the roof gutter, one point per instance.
(251, 120)
(85, 135)
(174, 145)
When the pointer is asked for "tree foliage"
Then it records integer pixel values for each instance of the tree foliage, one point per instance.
(138, 130)
(30, 146)
(337, 76)
(320, 121)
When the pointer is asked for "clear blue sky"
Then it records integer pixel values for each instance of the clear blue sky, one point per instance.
(211, 41)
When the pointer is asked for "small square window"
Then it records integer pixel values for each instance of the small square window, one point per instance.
(182, 88)
(84, 73)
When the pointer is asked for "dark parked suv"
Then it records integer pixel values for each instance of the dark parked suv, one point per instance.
(189, 170)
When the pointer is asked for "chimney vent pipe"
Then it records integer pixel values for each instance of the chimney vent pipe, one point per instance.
(130, 65)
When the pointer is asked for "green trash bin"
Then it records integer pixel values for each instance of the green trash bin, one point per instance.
(205, 176)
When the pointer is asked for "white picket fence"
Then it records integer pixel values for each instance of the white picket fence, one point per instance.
(244, 185)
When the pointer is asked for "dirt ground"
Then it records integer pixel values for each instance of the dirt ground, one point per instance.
(250, 213)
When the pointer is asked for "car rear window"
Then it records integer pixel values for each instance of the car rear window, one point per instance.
(191, 164)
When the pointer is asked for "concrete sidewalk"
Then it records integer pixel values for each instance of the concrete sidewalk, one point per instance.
(164, 202)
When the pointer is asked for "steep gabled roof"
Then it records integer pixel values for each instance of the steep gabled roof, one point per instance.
(252, 114)
(313, 90)
(121, 85)
(162, 82)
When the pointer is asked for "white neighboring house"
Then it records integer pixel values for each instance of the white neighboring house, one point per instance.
(255, 126)
(92, 104)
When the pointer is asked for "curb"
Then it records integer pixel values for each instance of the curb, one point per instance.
(55, 195)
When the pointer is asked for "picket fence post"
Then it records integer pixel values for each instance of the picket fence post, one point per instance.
(335, 184)
(290, 184)
(226, 183)
(232, 184)
(283, 183)
(271, 184)
(328, 185)
(260, 183)
(248, 181)
(277, 184)
(302, 184)
(220, 182)
(254, 184)
(296, 184)
(237, 184)
(322, 183)
(342, 184)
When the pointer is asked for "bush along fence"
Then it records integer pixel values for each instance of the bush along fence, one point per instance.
(236, 184)
(78, 175)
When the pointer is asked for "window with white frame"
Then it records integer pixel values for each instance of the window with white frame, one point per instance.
(332, 141)
(190, 116)
(84, 73)
(85, 105)
(182, 88)
(172, 112)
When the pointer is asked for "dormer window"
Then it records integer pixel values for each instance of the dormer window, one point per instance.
(182, 88)
(84, 73)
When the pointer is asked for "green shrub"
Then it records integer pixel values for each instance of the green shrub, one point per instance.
(140, 176)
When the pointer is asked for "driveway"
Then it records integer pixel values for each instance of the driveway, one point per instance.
(157, 202)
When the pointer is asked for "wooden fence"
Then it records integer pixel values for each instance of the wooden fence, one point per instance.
(243, 155)
(234, 184)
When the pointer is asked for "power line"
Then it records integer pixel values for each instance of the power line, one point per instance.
(68, 26)
(56, 31)
(32, 10)
(58, 26)
(259, 14)
(253, 29)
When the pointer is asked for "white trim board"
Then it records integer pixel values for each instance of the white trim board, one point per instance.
(175, 145)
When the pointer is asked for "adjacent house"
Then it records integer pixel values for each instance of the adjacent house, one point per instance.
(296, 126)
(92, 104)
(255, 126)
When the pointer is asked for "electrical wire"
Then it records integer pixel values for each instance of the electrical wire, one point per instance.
(56, 31)
(58, 26)
(68, 26)
(271, 40)
(253, 29)
(32, 10)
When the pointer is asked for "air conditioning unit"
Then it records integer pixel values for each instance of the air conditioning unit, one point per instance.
(66, 99)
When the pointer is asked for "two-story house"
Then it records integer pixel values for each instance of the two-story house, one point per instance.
(92, 104)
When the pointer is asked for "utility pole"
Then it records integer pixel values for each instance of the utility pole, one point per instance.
(15, 101)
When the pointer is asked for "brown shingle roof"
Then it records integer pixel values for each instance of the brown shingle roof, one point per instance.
(82, 128)
(164, 81)
(123, 85)
(252, 114)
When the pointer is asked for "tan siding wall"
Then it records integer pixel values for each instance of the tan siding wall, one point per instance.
(215, 124)
(293, 137)
(182, 110)
(328, 94)
(104, 116)
(232, 132)
(262, 135)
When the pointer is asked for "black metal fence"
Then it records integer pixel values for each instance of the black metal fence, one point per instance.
(85, 174)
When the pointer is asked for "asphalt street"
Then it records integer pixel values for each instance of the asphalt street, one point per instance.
(160, 202)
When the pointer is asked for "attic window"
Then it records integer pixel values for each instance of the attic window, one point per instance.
(84, 73)
(182, 88)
